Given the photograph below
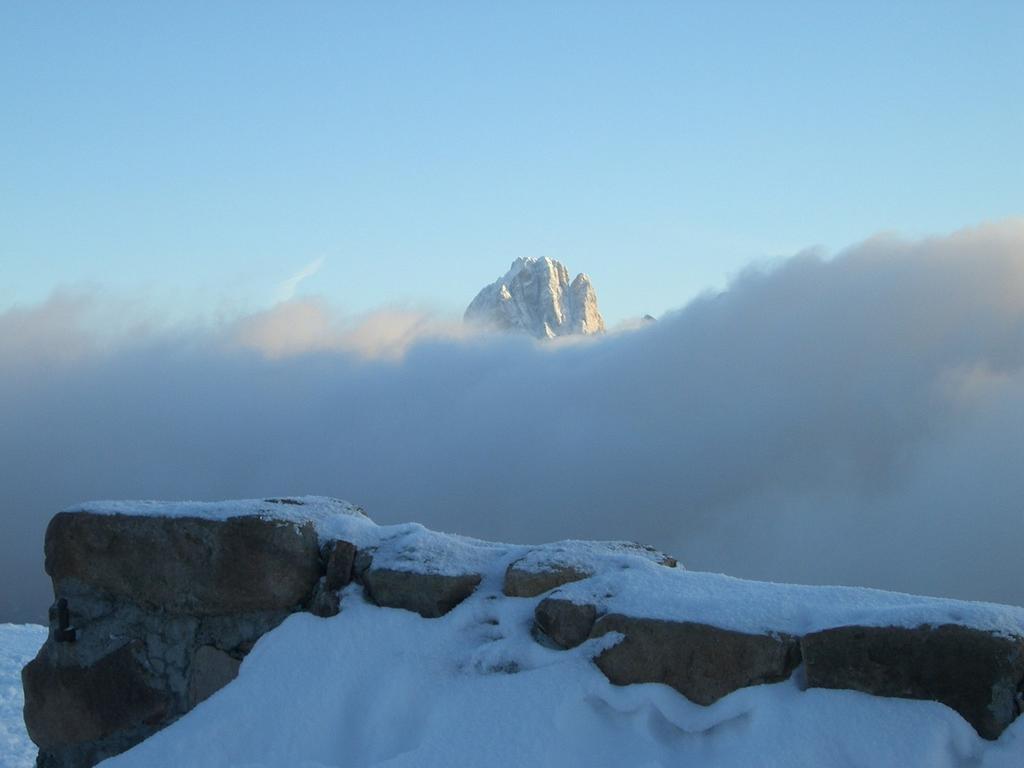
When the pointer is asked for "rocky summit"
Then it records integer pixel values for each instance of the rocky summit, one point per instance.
(536, 297)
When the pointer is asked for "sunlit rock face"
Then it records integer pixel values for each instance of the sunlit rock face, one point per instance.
(536, 297)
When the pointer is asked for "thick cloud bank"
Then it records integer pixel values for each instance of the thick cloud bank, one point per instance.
(858, 419)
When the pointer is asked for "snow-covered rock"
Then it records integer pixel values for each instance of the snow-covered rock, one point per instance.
(434, 651)
(541, 569)
(536, 297)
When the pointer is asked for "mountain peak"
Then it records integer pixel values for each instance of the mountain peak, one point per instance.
(535, 296)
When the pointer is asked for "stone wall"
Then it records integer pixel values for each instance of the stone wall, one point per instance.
(154, 614)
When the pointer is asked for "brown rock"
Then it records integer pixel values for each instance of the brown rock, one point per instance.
(325, 602)
(702, 662)
(185, 565)
(67, 705)
(977, 673)
(429, 594)
(341, 556)
(565, 623)
(211, 670)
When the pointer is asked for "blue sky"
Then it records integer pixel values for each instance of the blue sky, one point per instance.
(198, 155)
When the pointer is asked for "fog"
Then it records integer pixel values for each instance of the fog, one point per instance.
(855, 419)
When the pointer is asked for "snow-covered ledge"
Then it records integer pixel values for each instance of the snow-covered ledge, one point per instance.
(157, 603)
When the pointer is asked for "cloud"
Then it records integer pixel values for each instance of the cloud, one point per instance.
(855, 419)
(286, 290)
(308, 325)
(71, 326)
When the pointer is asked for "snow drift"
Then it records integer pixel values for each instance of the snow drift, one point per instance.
(18, 644)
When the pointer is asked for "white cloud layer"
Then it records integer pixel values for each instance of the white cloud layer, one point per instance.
(858, 419)
(309, 325)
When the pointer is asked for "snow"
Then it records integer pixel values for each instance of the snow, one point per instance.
(411, 547)
(19, 644)
(384, 687)
(652, 591)
(586, 556)
(332, 518)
